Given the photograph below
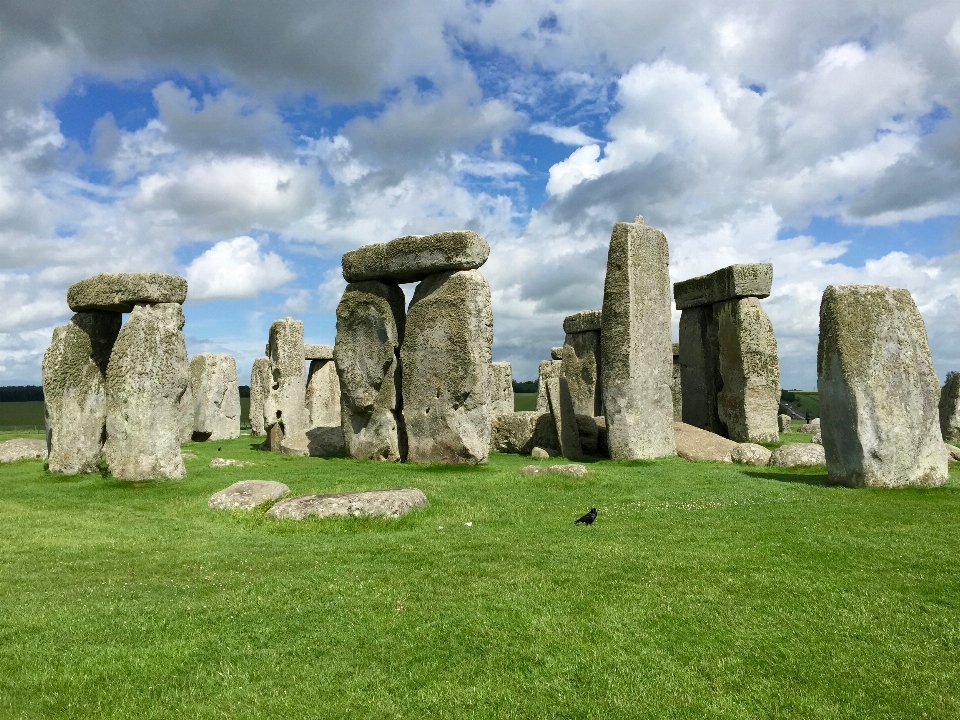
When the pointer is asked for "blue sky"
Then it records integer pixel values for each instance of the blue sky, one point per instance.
(247, 146)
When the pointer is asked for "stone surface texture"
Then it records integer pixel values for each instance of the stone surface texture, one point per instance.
(521, 432)
(700, 369)
(750, 454)
(949, 408)
(501, 388)
(694, 443)
(186, 412)
(636, 374)
(783, 421)
(414, 257)
(377, 503)
(953, 452)
(445, 357)
(581, 368)
(146, 379)
(808, 428)
(548, 369)
(74, 390)
(878, 390)
(317, 352)
(817, 438)
(798, 455)
(216, 396)
(583, 321)
(120, 292)
(556, 353)
(285, 401)
(226, 462)
(260, 380)
(573, 470)
(247, 494)
(315, 442)
(541, 453)
(22, 449)
(564, 419)
(323, 394)
(729, 283)
(676, 387)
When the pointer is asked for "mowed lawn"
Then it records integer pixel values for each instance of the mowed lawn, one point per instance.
(703, 590)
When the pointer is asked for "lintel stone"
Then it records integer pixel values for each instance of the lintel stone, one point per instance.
(119, 292)
(583, 321)
(413, 257)
(317, 352)
(729, 283)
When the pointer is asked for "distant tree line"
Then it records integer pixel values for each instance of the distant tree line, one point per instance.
(21, 393)
(527, 386)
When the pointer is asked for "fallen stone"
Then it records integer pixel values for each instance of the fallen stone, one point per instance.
(798, 455)
(564, 419)
(700, 369)
(750, 454)
(784, 421)
(247, 494)
(501, 388)
(120, 292)
(376, 503)
(583, 321)
(317, 352)
(818, 438)
(548, 369)
(521, 432)
(581, 368)
(573, 469)
(216, 397)
(315, 442)
(694, 443)
(730, 283)
(953, 452)
(260, 381)
(414, 257)
(556, 353)
(323, 394)
(227, 462)
(543, 453)
(676, 386)
(285, 402)
(22, 449)
(808, 428)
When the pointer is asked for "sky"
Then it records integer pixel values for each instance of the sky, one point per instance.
(247, 145)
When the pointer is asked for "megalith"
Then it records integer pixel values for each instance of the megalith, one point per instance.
(216, 397)
(636, 373)
(700, 369)
(186, 412)
(323, 393)
(564, 418)
(121, 292)
(580, 365)
(74, 390)
(501, 388)
(260, 378)
(784, 420)
(676, 389)
(878, 390)
(949, 408)
(415, 257)
(285, 399)
(548, 369)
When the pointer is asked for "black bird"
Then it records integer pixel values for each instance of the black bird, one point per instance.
(218, 449)
(588, 518)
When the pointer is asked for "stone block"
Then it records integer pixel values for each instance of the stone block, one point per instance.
(260, 381)
(521, 432)
(315, 442)
(571, 469)
(798, 455)
(700, 369)
(375, 503)
(751, 454)
(694, 443)
(414, 257)
(317, 352)
(564, 418)
(120, 292)
(729, 283)
(583, 321)
(216, 397)
(548, 369)
(556, 353)
(285, 402)
(22, 449)
(186, 413)
(501, 388)
(581, 368)
(949, 408)
(676, 387)
(247, 494)
(323, 394)
(784, 422)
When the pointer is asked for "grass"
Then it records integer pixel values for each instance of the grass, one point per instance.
(703, 590)
(806, 401)
(524, 401)
(21, 414)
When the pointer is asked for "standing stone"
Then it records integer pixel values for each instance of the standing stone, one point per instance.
(216, 397)
(146, 378)
(581, 366)
(415, 257)
(74, 390)
(187, 412)
(564, 418)
(370, 329)
(700, 369)
(323, 394)
(949, 408)
(548, 369)
(259, 388)
(285, 401)
(501, 388)
(676, 388)
(878, 390)
(635, 340)
(784, 422)
(446, 357)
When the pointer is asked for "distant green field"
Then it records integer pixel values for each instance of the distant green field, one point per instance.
(21, 414)
(524, 401)
(806, 401)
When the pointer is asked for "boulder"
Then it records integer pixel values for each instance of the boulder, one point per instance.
(445, 357)
(548, 369)
(580, 368)
(583, 321)
(676, 386)
(521, 432)
(572, 469)
(146, 378)
(323, 394)
(878, 391)
(953, 452)
(74, 390)
(542, 453)
(285, 401)
(784, 421)
(247, 494)
(315, 442)
(556, 353)
(564, 418)
(808, 428)
(317, 352)
(750, 454)
(274, 439)
(260, 381)
(22, 449)
(817, 438)
(700, 369)
(637, 373)
(501, 388)
(376, 503)
(798, 455)
(120, 292)
(694, 443)
(414, 257)
(730, 283)
(227, 462)
(216, 397)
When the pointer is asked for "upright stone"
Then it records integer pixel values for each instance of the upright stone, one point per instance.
(260, 378)
(146, 378)
(285, 401)
(415, 257)
(784, 420)
(548, 369)
(949, 408)
(323, 393)
(700, 369)
(370, 329)
(74, 390)
(564, 418)
(878, 390)
(581, 366)
(635, 341)
(676, 389)
(446, 357)
(501, 388)
(186, 411)
(216, 397)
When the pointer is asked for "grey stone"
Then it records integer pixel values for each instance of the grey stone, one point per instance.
(274, 439)
(556, 353)
(635, 340)
(953, 452)
(949, 407)
(581, 368)
(376, 503)
(414, 257)
(188, 455)
(227, 462)
(818, 438)
(573, 470)
(186, 414)
(317, 352)
(22, 449)
(542, 453)
(589, 433)
(74, 391)
(120, 292)
(564, 418)
(260, 381)
(694, 443)
(729, 283)
(798, 455)
(323, 394)
(370, 327)
(750, 454)
(878, 390)
(583, 321)
(247, 494)
(146, 378)
(315, 442)
(521, 432)
(784, 422)
(700, 369)
(216, 397)
(285, 401)
(808, 428)
(501, 388)
(548, 369)
(676, 387)
(445, 356)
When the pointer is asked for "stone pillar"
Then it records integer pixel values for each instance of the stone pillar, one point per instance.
(259, 388)
(74, 390)
(146, 378)
(878, 390)
(285, 401)
(548, 369)
(636, 371)
(676, 388)
(187, 412)
(501, 388)
(949, 408)
(323, 393)
(564, 418)
(446, 356)
(370, 329)
(581, 365)
(784, 421)
(700, 369)
(216, 397)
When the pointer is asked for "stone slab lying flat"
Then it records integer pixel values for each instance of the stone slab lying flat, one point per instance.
(377, 503)
(23, 449)
(729, 283)
(119, 292)
(317, 352)
(414, 257)
(227, 462)
(798, 455)
(751, 454)
(573, 469)
(583, 321)
(247, 494)
(694, 443)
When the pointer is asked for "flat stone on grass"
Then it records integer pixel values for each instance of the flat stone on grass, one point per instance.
(247, 494)
(376, 503)
(22, 449)
(571, 469)
(751, 454)
(798, 455)
(119, 292)
(228, 462)
(693, 443)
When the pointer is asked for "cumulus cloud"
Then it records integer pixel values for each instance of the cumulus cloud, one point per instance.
(236, 268)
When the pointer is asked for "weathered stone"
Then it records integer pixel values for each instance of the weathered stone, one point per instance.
(750, 370)
(74, 390)
(556, 353)
(878, 390)
(317, 352)
(953, 452)
(818, 438)
(750, 454)
(377, 503)
(548, 369)
(700, 369)
(285, 401)
(564, 418)
(581, 368)
(798, 455)
(188, 455)
(694, 443)
(949, 407)
(414, 257)
(808, 428)
(521, 432)
(146, 378)
(446, 357)
(589, 434)
(22, 449)
(315, 442)
(730, 283)
(370, 328)
(260, 381)
(784, 421)
(573, 470)
(227, 462)
(542, 453)
(815, 422)
(186, 412)
(602, 449)
(501, 388)
(583, 321)
(676, 387)
(635, 339)
(247, 494)
(120, 292)
(323, 394)
(274, 439)
(216, 397)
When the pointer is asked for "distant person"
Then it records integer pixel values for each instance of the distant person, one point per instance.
(807, 418)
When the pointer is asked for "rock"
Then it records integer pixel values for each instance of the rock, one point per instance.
(274, 440)
(676, 387)
(556, 353)
(784, 421)
(583, 321)
(815, 422)
(797, 455)
(120, 292)
(146, 378)
(445, 357)
(548, 369)
(750, 454)
(694, 443)
(564, 418)
(878, 390)
(186, 414)
(260, 381)
(700, 369)
(818, 438)
(323, 394)
(188, 455)
(414, 257)
(750, 371)
(22, 449)
(317, 352)
(216, 397)
(730, 283)
(949, 407)
(74, 391)
(521, 432)
(315, 442)
(285, 402)
(953, 452)
(573, 469)
(542, 453)
(580, 368)
(808, 428)
(635, 340)
(501, 388)
(377, 503)
(247, 494)
(370, 327)
(589, 434)
(227, 462)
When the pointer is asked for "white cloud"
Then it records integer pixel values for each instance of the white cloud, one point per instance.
(234, 269)
(563, 135)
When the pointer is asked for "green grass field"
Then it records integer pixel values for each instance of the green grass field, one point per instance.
(703, 590)
(806, 401)
(524, 401)
(21, 414)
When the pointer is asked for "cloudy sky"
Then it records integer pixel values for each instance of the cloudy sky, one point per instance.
(246, 145)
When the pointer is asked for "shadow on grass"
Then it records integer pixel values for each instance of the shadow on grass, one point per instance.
(819, 478)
